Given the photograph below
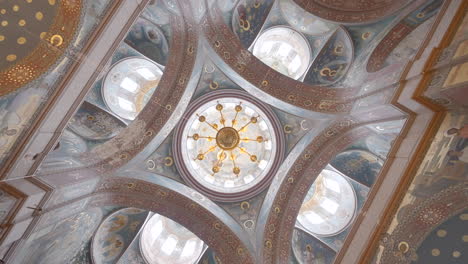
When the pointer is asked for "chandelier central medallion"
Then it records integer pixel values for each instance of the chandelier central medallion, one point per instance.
(227, 138)
(227, 144)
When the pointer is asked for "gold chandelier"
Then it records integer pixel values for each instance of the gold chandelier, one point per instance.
(227, 140)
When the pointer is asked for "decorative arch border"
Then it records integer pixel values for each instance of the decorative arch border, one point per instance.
(284, 203)
(160, 108)
(127, 144)
(192, 212)
(393, 38)
(362, 11)
(229, 48)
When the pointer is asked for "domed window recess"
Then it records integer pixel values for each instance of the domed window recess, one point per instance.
(129, 85)
(165, 241)
(329, 206)
(228, 145)
(285, 50)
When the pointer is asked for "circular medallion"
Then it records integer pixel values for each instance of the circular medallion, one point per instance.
(227, 138)
(285, 50)
(129, 85)
(228, 145)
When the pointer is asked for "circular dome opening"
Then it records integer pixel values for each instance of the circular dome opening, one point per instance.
(129, 85)
(285, 50)
(165, 241)
(329, 205)
(227, 145)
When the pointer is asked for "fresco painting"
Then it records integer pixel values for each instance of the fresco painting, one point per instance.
(308, 249)
(333, 61)
(149, 40)
(359, 165)
(248, 19)
(63, 241)
(446, 243)
(447, 160)
(20, 108)
(116, 233)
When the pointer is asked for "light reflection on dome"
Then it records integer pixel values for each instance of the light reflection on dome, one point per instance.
(165, 241)
(129, 85)
(329, 205)
(284, 50)
(229, 146)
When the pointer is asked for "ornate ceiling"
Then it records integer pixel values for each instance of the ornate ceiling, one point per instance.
(217, 131)
(33, 32)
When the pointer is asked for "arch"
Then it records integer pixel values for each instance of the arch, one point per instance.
(230, 51)
(351, 11)
(189, 208)
(399, 32)
(167, 103)
(282, 203)
(173, 200)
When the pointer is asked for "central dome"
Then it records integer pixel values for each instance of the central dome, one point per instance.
(228, 145)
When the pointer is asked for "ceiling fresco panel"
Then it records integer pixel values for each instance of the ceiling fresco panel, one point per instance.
(308, 249)
(333, 61)
(398, 33)
(304, 21)
(446, 243)
(359, 165)
(148, 39)
(192, 210)
(28, 84)
(437, 192)
(248, 19)
(115, 234)
(94, 123)
(262, 162)
(61, 243)
(32, 33)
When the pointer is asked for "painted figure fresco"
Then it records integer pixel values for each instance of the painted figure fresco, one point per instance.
(116, 233)
(59, 243)
(447, 162)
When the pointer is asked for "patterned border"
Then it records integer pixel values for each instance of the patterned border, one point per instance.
(285, 207)
(191, 214)
(127, 144)
(392, 39)
(314, 98)
(363, 11)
